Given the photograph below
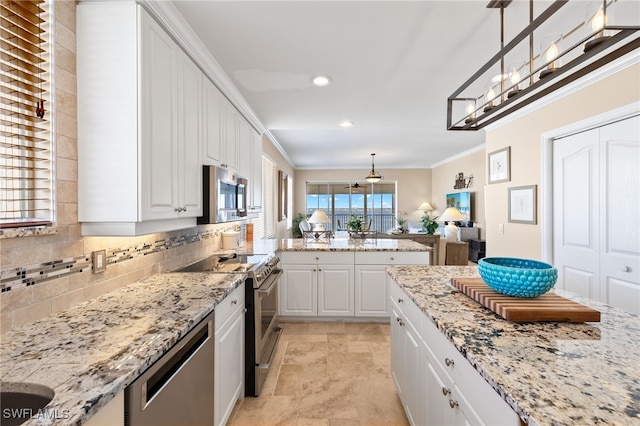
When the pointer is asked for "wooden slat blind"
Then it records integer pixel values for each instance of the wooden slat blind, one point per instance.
(25, 137)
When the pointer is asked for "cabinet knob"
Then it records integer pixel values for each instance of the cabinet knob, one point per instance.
(626, 269)
(184, 209)
(392, 258)
(245, 310)
(234, 302)
(453, 404)
(317, 258)
(449, 362)
(400, 300)
(445, 391)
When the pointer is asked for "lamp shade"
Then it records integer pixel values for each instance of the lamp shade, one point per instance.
(425, 206)
(452, 214)
(319, 216)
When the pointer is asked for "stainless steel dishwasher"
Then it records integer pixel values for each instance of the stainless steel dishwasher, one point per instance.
(178, 388)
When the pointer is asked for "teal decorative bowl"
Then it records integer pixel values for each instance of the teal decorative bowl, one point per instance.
(517, 277)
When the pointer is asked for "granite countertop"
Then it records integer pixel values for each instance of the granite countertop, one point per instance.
(92, 351)
(346, 244)
(549, 373)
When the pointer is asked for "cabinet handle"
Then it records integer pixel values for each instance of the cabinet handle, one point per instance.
(400, 300)
(234, 302)
(445, 391)
(453, 404)
(449, 362)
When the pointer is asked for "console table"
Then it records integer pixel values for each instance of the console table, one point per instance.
(432, 241)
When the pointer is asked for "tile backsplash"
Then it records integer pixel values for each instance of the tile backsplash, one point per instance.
(32, 291)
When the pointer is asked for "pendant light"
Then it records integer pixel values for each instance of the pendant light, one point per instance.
(373, 175)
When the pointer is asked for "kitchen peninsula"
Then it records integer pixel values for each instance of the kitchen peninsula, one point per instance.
(342, 278)
(547, 373)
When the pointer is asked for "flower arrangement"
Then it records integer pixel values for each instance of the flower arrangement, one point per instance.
(401, 218)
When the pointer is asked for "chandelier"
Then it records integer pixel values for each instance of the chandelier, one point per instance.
(373, 175)
(545, 56)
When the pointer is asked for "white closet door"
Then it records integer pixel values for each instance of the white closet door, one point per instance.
(620, 227)
(597, 213)
(576, 213)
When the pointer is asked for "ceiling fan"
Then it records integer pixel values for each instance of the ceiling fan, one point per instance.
(354, 186)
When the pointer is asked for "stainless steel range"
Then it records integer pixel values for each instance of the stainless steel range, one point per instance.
(261, 299)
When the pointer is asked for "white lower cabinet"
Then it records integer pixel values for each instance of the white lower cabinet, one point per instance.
(316, 284)
(436, 384)
(339, 284)
(335, 290)
(372, 286)
(229, 355)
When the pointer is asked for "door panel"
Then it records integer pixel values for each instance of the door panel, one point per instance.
(576, 210)
(620, 227)
(596, 213)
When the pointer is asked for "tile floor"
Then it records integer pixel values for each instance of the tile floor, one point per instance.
(327, 373)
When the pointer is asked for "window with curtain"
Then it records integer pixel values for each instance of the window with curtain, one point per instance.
(374, 204)
(26, 196)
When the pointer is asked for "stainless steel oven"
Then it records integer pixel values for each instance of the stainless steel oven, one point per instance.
(261, 301)
(267, 332)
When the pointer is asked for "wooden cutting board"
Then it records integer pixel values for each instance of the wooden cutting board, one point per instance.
(548, 307)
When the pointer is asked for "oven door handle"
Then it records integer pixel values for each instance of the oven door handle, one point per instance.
(270, 283)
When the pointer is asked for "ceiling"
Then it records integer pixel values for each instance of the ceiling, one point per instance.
(392, 64)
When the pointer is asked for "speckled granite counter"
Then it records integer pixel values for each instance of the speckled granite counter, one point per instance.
(550, 373)
(92, 351)
(345, 244)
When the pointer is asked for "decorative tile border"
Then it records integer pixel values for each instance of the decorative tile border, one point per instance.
(27, 232)
(25, 276)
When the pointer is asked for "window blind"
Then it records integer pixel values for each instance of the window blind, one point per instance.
(25, 139)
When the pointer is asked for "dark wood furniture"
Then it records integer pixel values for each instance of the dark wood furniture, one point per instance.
(432, 241)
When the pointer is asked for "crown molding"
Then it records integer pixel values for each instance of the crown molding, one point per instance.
(459, 156)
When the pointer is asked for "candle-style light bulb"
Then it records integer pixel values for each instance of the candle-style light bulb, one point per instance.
(490, 95)
(598, 21)
(515, 79)
(471, 112)
(551, 54)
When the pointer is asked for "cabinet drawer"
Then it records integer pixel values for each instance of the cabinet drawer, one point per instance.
(316, 257)
(409, 309)
(486, 402)
(392, 258)
(228, 305)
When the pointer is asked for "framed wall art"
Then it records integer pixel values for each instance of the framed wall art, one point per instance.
(499, 168)
(283, 202)
(522, 204)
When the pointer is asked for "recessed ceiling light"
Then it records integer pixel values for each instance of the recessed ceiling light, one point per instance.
(321, 80)
(346, 123)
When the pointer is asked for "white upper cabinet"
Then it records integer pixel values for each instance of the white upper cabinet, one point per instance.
(245, 139)
(255, 178)
(230, 134)
(212, 127)
(139, 124)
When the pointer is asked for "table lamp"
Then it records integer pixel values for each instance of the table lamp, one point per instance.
(317, 219)
(451, 215)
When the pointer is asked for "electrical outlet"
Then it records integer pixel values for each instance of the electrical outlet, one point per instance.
(99, 259)
(501, 228)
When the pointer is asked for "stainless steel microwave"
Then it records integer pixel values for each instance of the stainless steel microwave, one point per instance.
(224, 195)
